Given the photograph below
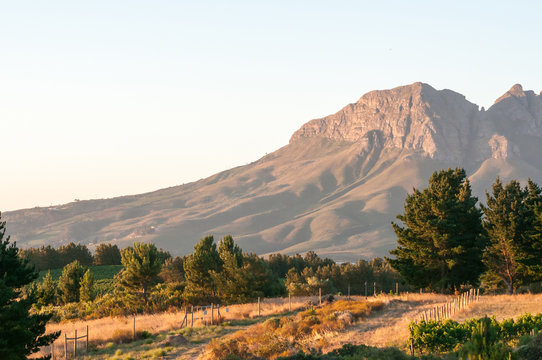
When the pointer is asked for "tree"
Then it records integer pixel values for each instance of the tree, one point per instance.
(87, 291)
(511, 254)
(200, 286)
(534, 203)
(107, 254)
(227, 247)
(142, 265)
(173, 270)
(442, 240)
(70, 282)
(21, 333)
(46, 291)
(71, 252)
(43, 258)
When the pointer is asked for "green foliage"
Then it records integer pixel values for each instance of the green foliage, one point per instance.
(532, 350)
(484, 343)
(46, 291)
(70, 282)
(200, 287)
(48, 258)
(173, 270)
(107, 254)
(483, 335)
(508, 222)
(105, 272)
(142, 265)
(87, 291)
(441, 243)
(21, 333)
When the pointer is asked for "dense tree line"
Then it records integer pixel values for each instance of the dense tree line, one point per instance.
(152, 280)
(446, 240)
(48, 258)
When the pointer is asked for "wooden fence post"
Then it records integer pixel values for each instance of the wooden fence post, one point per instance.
(366, 290)
(397, 288)
(87, 341)
(348, 290)
(133, 328)
(212, 313)
(320, 295)
(374, 287)
(192, 314)
(290, 301)
(259, 307)
(75, 344)
(65, 346)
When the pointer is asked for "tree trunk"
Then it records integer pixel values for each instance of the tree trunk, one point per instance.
(509, 286)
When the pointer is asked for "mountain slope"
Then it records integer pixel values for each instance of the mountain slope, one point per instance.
(334, 188)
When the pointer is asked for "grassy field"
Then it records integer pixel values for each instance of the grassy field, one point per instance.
(111, 338)
(105, 272)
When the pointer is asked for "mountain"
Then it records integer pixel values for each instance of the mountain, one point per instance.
(333, 189)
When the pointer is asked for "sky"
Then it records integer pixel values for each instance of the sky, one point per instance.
(107, 98)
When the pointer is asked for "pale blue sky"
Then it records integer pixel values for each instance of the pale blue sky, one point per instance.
(106, 98)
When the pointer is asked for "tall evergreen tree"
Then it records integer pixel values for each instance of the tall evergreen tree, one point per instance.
(47, 291)
(70, 282)
(534, 235)
(87, 290)
(21, 334)
(441, 238)
(509, 222)
(200, 286)
(142, 264)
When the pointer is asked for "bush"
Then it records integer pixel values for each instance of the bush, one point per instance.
(438, 336)
(532, 350)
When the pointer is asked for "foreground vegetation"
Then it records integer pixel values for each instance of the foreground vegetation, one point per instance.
(291, 334)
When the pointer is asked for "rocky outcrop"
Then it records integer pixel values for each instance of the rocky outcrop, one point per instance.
(440, 124)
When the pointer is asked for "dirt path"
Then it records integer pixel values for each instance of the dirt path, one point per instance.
(387, 327)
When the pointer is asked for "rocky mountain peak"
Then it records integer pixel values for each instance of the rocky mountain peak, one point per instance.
(515, 91)
(414, 117)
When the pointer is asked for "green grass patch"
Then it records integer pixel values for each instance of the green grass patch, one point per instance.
(104, 272)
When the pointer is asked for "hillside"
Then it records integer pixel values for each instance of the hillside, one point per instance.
(333, 189)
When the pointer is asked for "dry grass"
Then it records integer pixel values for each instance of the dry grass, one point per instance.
(503, 307)
(390, 328)
(309, 329)
(106, 330)
(383, 328)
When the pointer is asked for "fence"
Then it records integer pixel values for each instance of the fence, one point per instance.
(65, 355)
(449, 309)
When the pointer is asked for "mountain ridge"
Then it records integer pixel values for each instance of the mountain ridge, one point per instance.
(334, 188)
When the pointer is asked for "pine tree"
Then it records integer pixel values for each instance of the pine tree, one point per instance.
(21, 334)
(70, 282)
(142, 264)
(534, 235)
(509, 222)
(442, 238)
(200, 286)
(47, 290)
(87, 290)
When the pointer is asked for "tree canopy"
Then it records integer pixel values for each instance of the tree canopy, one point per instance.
(441, 238)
